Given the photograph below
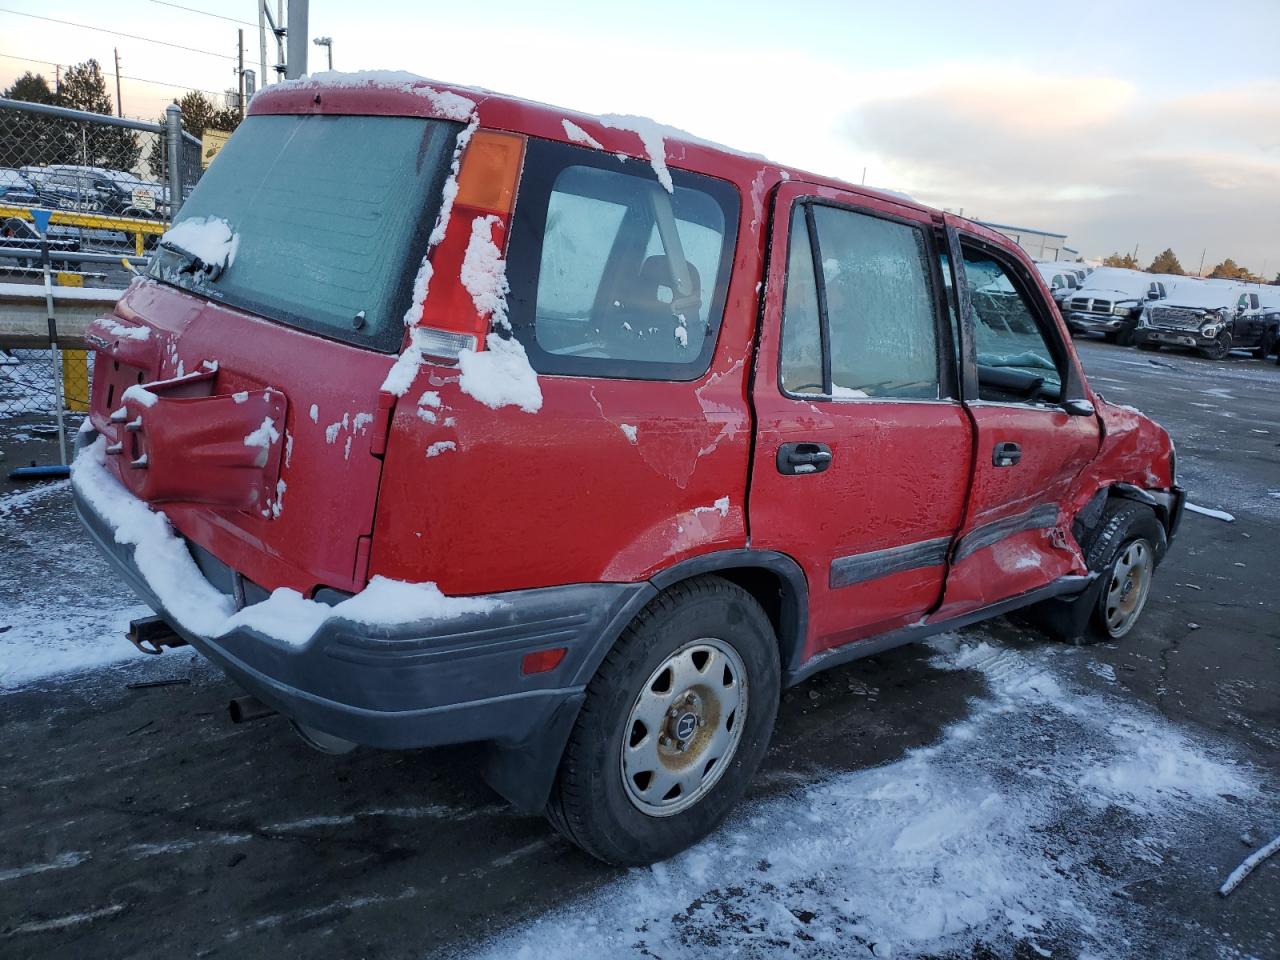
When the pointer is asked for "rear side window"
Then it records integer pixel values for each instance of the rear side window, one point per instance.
(610, 274)
(332, 215)
(874, 305)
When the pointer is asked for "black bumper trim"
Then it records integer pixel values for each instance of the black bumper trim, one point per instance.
(417, 685)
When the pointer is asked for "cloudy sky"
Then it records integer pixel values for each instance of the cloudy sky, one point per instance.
(1141, 127)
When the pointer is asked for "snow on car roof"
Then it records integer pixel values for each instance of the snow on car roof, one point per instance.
(459, 102)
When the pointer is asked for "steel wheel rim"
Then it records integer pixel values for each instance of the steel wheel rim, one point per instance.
(684, 727)
(1128, 587)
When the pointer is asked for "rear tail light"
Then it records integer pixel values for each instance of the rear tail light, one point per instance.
(487, 184)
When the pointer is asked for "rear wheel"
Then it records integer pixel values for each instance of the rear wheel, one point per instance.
(674, 724)
(1220, 348)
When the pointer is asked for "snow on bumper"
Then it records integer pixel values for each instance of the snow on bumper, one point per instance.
(397, 665)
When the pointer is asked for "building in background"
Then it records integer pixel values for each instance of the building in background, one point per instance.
(1039, 244)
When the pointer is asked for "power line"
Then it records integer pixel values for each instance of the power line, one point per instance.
(130, 36)
(178, 6)
(123, 76)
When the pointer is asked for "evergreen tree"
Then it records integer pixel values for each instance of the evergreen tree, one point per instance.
(28, 138)
(1116, 260)
(1228, 269)
(91, 144)
(1166, 262)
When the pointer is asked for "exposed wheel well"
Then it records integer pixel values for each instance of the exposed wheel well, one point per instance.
(774, 580)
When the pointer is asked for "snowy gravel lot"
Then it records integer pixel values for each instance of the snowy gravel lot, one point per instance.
(984, 795)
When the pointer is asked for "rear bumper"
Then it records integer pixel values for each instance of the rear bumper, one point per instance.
(419, 684)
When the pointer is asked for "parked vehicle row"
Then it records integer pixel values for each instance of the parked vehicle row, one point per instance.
(1151, 311)
(85, 190)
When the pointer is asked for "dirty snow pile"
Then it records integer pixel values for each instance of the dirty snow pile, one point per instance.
(209, 238)
(195, 604)
(61, 609)
(1015, 834)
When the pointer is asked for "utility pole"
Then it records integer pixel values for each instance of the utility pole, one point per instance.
(1200, 272)
(240, 68)
(119, 109)
(262, 40)
(295, 64)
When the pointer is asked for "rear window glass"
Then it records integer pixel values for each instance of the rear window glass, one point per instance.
(332, 215)
(610, 274)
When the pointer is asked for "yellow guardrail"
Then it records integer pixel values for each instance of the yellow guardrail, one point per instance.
(137, 226)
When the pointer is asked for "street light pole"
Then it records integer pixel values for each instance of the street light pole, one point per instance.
(327, 43)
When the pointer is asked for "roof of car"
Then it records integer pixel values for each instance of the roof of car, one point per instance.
(396, 93)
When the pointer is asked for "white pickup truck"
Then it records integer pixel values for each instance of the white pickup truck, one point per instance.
(1110, 301)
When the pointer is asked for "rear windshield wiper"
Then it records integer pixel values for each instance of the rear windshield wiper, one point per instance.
(190, 263)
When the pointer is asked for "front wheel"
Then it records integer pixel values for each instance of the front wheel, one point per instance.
(1220, 347)
(674, 724)
(1150, 345)
(1125, 552)
(1268, 344)
(1125, 336)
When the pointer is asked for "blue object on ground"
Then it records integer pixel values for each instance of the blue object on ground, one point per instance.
(40, 473)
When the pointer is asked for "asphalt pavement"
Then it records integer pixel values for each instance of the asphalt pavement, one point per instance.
(136, 821)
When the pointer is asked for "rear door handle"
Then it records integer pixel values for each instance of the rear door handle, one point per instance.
(803, 457)
(1006, 454)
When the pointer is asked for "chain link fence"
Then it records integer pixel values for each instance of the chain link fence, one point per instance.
(83, 199)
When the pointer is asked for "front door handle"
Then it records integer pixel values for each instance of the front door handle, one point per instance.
(800, 458)
(1006, 454)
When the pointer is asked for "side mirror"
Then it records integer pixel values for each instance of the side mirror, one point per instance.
(1153, 295)
(1078, 408)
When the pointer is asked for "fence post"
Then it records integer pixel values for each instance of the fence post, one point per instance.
(173, 141)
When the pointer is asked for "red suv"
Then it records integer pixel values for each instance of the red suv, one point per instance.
(473, 420)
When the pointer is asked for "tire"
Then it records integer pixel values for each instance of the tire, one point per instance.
(1084, 618)
(1127, 529)
(602, 799)
(1266, 347)
(1111, 337)
(1221, 347)
(1126, 336)
(1149, 345)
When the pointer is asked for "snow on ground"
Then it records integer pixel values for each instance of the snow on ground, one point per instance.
(1021, 826)
(61, 610)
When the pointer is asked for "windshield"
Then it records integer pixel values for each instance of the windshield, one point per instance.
(329, 216)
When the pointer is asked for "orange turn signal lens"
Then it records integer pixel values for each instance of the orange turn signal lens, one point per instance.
(491, 171)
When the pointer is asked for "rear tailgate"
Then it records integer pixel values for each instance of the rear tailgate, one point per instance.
(294, 517)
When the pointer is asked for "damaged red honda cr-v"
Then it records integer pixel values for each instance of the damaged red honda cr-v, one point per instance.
(442, 417)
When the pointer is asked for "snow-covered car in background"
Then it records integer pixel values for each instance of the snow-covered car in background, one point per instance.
(1061, 281)
(100, 190)
(17, 191)
(1110, 302)
(1213, 317)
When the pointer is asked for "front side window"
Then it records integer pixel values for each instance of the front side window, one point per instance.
(612, 275)
(1015, 362)
(879, 308)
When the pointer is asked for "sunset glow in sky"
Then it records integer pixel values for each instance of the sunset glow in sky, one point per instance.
(1120, 128)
